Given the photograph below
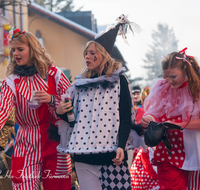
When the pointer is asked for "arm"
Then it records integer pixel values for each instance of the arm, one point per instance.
(6, 103)
(193, 125)
(62, 87)
(138, 128)
(62, 84)
(125, 119)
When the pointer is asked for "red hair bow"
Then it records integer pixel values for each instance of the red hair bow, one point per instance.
(185, 56)
(183, 52)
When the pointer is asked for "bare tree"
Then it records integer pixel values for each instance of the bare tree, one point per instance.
(4, 3)
(58, 5)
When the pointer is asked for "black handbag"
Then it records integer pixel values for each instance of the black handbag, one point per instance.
(157, 132)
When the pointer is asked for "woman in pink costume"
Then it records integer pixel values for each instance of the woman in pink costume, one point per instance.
(176, 98)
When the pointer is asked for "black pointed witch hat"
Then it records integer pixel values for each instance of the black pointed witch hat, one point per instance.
(107, 40)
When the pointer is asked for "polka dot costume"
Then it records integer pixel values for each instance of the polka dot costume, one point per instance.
(141, 178)
(177, 151)
(96, 108)
(94, 114)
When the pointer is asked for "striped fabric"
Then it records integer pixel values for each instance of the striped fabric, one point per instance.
(6, 102)
(194, 180)
(27, 84)
(17, 92)
(63, 164)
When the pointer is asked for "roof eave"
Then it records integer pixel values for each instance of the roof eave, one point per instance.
(62, 21)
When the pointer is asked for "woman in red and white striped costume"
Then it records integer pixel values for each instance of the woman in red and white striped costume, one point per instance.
(30, 69)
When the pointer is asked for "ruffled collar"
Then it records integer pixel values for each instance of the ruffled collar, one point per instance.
(103, 80)
(25, 84)
(184, 84)
(25, 70)
(164, 100)
(164, 82)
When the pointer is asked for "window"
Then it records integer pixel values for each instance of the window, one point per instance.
(66, 72)
(3, 10)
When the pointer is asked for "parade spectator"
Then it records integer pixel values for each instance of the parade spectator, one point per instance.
(31, 71)
(7, 133)
(176, 98)
(145, 93)
(143, 174)
(137, 97)
(6, 143)
(102, 104)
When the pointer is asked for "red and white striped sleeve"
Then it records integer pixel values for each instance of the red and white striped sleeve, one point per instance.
(63, 85)
(7, 98)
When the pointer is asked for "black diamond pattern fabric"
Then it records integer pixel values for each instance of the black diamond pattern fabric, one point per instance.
(116, 177)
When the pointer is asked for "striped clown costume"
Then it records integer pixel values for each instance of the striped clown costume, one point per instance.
(35, 155)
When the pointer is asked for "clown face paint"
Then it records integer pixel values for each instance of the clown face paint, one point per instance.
(175, 76)
(92, 58)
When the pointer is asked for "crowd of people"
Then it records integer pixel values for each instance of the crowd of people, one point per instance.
(96, 120)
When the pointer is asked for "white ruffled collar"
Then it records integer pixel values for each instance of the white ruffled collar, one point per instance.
(84, 82)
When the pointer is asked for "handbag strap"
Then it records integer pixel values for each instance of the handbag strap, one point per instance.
(166, 140)
(172, 125)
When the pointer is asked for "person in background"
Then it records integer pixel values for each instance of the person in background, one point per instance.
(6, 142)
(34, 86)
(145, 93)
(137, 97)
(143, 173)
(7, 134)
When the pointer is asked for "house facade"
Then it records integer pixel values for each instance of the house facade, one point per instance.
(63, 38)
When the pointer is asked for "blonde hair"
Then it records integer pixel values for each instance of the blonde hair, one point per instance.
(192, 71)
(38, 55)
(107, 66)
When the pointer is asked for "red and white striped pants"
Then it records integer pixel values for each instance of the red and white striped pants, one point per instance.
(194, 180)
(54, 172)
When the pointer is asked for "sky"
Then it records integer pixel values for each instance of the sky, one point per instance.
(183, 16)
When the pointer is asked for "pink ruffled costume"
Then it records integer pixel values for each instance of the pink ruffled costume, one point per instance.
(165, 103)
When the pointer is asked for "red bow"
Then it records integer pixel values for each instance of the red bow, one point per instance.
(183, 52)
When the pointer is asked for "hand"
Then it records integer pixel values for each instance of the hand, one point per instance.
(42, 97)
(64, 107)
(182, 124)
(175, 123)
(145, 120)
(11, 143)
(169, 128)
(119, 156)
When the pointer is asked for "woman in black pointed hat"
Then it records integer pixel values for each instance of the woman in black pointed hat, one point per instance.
(103, 109)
